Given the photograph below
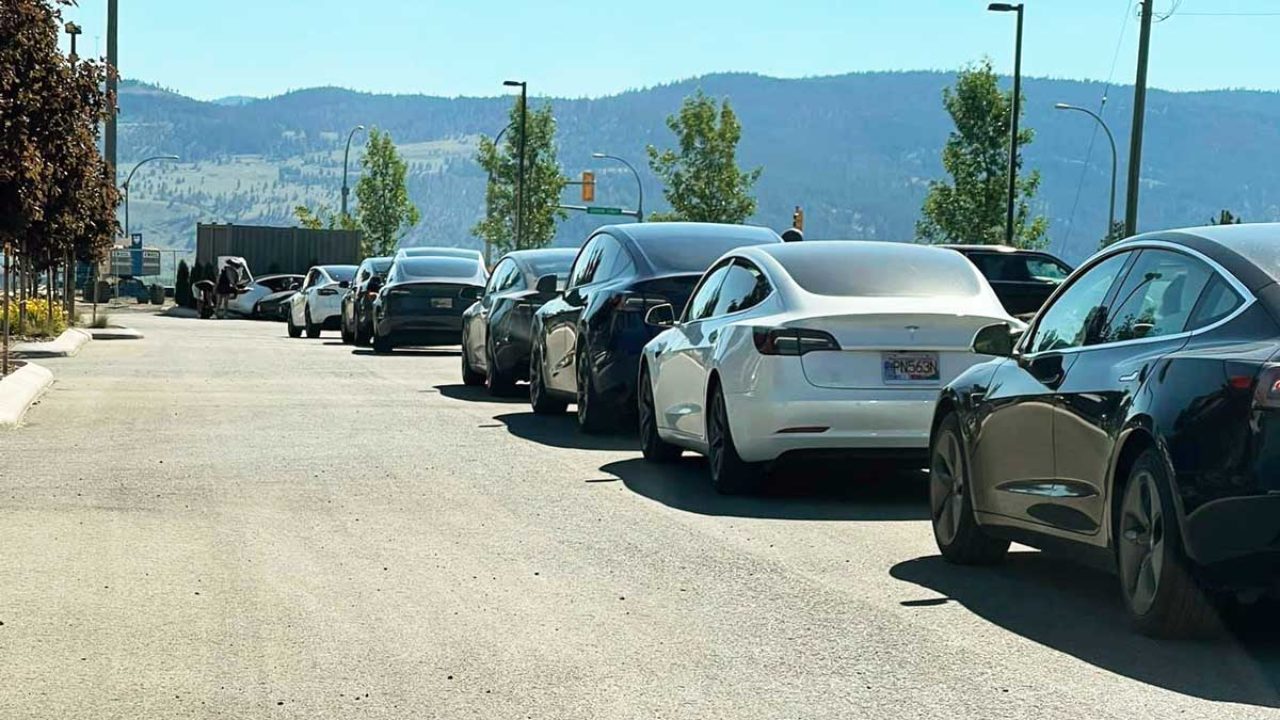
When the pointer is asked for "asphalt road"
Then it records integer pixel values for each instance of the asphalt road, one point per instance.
(219, 521)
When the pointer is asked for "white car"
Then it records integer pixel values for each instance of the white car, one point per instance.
(246, 303)
(318, 304)
(810, 346)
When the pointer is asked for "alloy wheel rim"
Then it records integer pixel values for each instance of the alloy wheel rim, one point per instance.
(646, 410)
(715, 436)
(535, 375)
(946, 488)
(1141, 542)
(582, 393)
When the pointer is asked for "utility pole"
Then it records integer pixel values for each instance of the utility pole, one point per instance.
(345, 155)
(524, 115)
(113, 59)
(1015, 110)
(1139, 113)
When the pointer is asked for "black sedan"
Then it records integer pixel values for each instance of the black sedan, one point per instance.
(357, 304)
(1139, 416)
(1022, 279)
(496, 330)
(422, 300)
(587, 341)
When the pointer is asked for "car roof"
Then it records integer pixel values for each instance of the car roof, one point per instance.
(843, 248)
(331, 268)
(639, 232)
(1003, 249)
(541, 252)
(429, 250)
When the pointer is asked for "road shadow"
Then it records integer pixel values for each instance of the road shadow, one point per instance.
(479, 394)
(1075, 609)
(407, 352)
(799, 491)
(562, 431)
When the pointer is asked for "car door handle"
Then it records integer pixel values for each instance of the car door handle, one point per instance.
(1129, 377)
(714, 334)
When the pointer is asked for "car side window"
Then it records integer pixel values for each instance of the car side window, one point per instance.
(1042, 269)
(1079, 310)
(511, 278)
(1216, 302)
(310, 280)
(584, 268)
(1157, 296)
(703, 301)
(615, 261)
(495, 280)
(744, 286)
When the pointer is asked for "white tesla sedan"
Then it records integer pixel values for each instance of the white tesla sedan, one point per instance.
(318, 304)
(812, 346)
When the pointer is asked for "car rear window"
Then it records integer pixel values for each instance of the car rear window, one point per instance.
(682, 254)
(449, 267)
(340, 273)
(1017, 267)
(380, 266)
(878, 270)
(551, 265)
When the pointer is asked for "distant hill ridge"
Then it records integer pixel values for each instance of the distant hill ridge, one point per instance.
(856, 150)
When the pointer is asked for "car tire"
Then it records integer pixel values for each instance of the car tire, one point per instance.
(652, 446)
(496, 382)
(956, 531)
(361, 337)
(730, 474)
(539, 400)
(313, 330)
(592, 419)
(348, 337)
(294, 330)
(470, 377)
(1161, 596)
(382, 344)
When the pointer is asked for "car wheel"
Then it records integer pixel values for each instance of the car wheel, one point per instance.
(470, 377)
(1160, 594)
(955, 528)
(539, 400)
(382, 344)
(730, 475)
(313, 330)
(591, 413)
(497, 382)
(348, 337)
(652, 446)
(361, 337)
(294, 330)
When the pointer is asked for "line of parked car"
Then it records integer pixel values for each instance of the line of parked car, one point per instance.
(1129, 407)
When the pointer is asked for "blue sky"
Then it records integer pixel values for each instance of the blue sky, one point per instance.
(214, 48)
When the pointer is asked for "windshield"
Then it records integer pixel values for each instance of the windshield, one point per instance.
(441, 251)
(432, 267)
(878, 270)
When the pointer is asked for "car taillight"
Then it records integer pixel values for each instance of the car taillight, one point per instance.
(1266, 393)
(791, 341)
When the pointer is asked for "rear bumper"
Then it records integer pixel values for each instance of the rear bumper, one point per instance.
(421, 329)
(1236, 541)
(872, 422)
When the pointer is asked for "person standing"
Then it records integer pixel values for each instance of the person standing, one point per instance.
(228, 279)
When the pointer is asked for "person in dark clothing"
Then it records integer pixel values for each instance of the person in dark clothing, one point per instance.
(228, 281)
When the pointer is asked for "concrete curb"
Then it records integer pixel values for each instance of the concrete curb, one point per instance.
(65, 345)
(178, 311)
(115, 333)
(19, 389)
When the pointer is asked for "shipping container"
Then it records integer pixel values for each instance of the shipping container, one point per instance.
(277, 249)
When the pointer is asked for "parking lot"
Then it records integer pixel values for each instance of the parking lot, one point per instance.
(220, 521)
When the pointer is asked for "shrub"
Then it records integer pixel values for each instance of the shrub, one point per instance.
(35, 322)
(102, 321)
(182, 286)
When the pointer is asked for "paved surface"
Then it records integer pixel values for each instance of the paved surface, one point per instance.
(220, 522)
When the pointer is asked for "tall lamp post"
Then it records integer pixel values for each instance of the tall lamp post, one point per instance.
(1013, 120)
(1111, 209)
(488, 201)
(639, 185)
(346, 154)
(524, 116)
(130, 179)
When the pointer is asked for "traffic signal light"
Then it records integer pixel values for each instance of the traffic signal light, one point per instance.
(588, 186)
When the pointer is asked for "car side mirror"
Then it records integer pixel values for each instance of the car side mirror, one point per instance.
(663, 315)
(344, 284)
(471, 293)
(997, 340)
(547, 285)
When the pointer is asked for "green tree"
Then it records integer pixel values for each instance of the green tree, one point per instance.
(701, 180)
(972, 207)
(543, 183)
(384, 211)
(322, 218)
(182, 286)
(1225, 218)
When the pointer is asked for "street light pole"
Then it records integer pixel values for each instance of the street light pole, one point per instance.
(1111, 209)
(1139, 115)
(524, 116)
(488, 200)
(130, 179)
(1013, 119)
(345, 155)
(639, 185)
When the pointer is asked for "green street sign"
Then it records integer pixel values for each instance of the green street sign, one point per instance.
(597, 210)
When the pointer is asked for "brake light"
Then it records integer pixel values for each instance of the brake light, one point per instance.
(792, 341)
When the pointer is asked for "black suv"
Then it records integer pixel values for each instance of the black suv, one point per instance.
(357, 304)
(1022, 279)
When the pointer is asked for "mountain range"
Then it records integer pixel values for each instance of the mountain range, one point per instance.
(857, 151)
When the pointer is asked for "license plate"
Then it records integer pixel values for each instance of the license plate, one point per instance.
(442, 302)
(909, 367)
